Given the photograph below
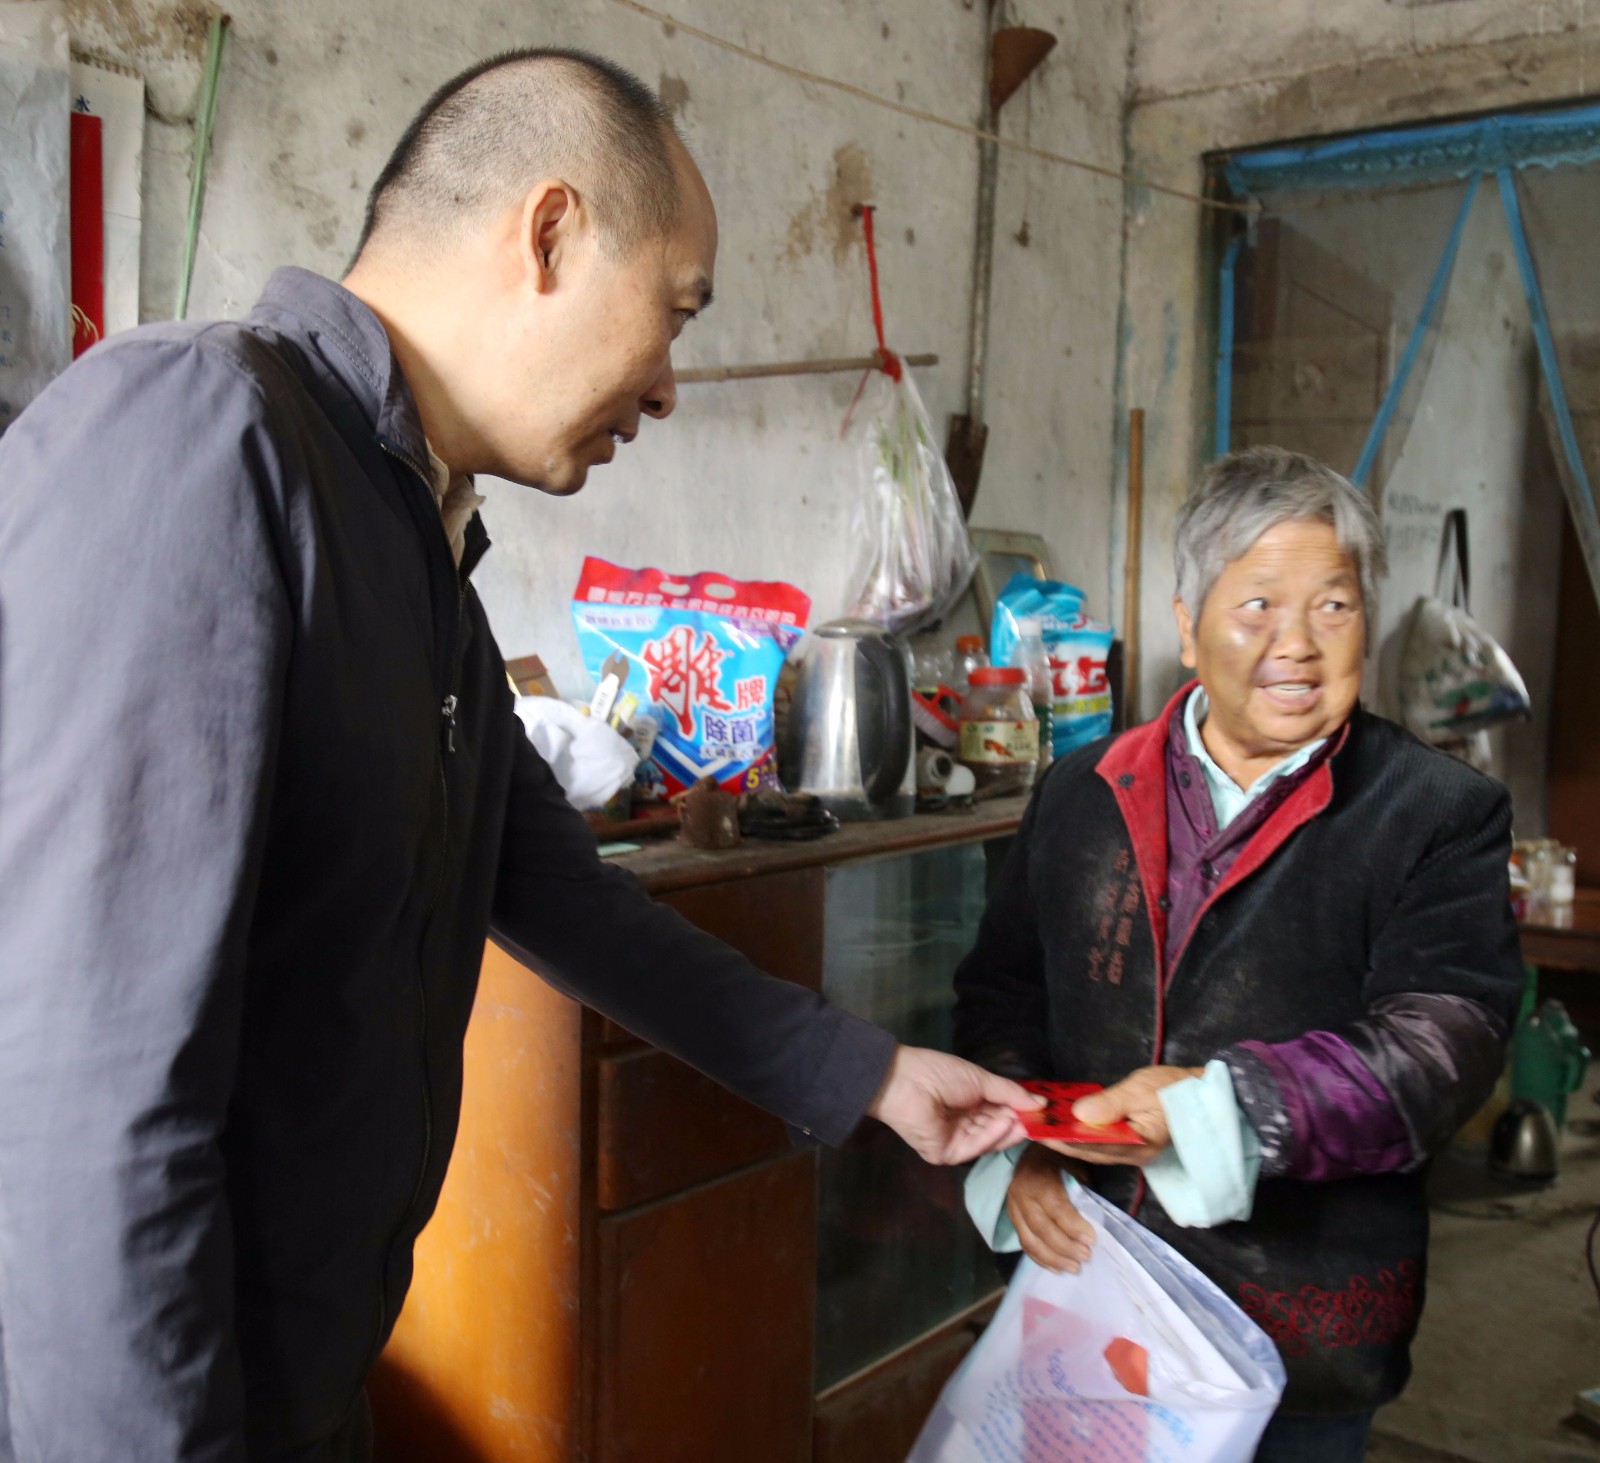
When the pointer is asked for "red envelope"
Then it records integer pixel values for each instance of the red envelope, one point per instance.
(1056, 1121)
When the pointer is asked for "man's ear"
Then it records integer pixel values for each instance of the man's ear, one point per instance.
(1180, 612)
(545, 233)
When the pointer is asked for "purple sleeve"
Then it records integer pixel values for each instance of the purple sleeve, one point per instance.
(1380, 1096)
(1389, 1089)
(1339, 1120)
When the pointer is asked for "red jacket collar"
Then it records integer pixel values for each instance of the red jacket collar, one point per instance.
(1141, 750)
(1135, 768)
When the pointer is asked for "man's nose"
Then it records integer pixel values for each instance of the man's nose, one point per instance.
(662, 397)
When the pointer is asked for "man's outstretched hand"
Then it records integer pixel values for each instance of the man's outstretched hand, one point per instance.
(949, 1110)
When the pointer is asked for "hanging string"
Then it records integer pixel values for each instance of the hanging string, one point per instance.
(884, 359)
(888, 361)
(83, 325)
(918, 115)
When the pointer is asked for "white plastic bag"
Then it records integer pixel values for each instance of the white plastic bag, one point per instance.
(1139, 1358)
(916, 555)
(1454, 677)
(591, 761)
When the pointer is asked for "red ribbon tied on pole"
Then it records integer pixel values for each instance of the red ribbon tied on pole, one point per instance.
(887, 361)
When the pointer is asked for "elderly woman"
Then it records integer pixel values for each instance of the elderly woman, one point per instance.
(1271, 890)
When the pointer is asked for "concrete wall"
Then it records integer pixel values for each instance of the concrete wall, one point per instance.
(1212, 77)
(1463, 439)
(748, 478)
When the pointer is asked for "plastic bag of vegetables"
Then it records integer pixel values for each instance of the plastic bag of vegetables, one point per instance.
(916, 555)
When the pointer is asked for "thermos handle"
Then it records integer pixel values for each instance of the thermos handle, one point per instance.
(1577, 1066)
(884, 780)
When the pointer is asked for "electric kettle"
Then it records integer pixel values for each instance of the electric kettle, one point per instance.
(848, 739)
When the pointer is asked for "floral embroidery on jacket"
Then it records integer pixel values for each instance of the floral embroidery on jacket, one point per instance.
(1366, 1312)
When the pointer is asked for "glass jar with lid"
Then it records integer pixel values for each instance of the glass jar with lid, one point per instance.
(999, 732)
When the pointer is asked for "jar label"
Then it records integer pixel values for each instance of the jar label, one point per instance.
(1000, 743)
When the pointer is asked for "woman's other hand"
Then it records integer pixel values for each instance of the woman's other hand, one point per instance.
(1052, 1232)
(1136, 1101)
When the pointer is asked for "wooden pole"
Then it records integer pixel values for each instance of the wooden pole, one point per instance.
(696, 374)
(1131, 564)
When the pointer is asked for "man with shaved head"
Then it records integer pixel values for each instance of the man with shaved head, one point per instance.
(263, 793)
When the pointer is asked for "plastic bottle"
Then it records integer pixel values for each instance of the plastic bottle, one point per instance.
(932, 665)
(1563, 876)
(970, 656)
(1029, 654)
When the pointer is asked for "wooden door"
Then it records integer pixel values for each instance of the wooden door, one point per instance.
(1575, 710)
(1575, 715)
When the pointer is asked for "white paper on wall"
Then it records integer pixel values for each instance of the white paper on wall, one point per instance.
(116, 97)
(35, 258)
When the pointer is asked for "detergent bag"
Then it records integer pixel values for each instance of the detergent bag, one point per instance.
(1077, 646)
(701, 654)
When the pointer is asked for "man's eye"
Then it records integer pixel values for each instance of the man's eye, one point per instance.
(1338, 606)
(1258, 603)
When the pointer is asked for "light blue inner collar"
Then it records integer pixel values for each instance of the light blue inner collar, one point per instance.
(1228, 799)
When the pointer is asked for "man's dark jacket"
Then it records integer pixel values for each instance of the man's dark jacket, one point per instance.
(1380, 878)
(262, 795)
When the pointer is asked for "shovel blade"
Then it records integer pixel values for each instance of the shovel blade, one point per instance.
(963, 455)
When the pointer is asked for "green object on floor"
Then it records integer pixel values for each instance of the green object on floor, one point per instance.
(1548, 1057)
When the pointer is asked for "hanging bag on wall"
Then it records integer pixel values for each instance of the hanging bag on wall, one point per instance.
(916, 555)
(1454, 677)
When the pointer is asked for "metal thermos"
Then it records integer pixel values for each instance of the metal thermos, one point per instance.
(1525, 1148)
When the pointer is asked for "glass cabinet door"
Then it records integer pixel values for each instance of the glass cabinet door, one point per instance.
(897, 1254)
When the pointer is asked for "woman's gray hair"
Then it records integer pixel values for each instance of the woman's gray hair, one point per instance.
(1246, 493)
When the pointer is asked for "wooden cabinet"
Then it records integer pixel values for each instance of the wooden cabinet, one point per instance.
(665, 1128)
(483, 1365)
(705, 1322)
(875, 1417)
(630, 1265)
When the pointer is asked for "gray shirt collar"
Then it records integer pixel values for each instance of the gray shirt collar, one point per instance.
(342, 324)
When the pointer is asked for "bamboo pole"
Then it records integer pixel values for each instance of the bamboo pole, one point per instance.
(1131, 565)
(697, 374)
(205, 122)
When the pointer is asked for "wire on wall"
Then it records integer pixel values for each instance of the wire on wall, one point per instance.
(933, 118)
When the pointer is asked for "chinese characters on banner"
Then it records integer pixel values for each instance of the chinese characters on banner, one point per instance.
(116, 97)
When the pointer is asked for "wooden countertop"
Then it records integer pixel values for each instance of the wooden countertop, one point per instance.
(667, 864)
(1573, 943)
